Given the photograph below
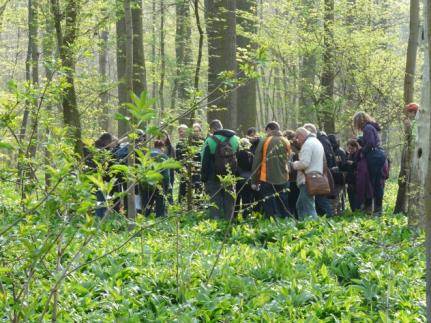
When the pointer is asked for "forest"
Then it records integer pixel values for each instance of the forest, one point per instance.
(215, 160)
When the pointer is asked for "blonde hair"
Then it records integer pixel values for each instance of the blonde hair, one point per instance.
(360, 119)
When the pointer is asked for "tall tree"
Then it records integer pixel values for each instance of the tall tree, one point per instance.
(139, 70)
(162, 57)
(128, 80)
(103, 67)
(247, 95)
(427, 184)
(327, 81)
(409, 86)
(183, 53)
(65, 42)
(221, 31)
(121, 37)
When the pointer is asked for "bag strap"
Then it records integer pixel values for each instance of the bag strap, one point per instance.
(263, 168)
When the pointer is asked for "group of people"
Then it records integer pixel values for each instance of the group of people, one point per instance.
(271, 174)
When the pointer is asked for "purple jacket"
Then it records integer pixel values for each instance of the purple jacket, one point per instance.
(364, 188)
(371, 136)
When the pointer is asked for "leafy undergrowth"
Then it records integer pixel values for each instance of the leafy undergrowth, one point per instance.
(351, 268)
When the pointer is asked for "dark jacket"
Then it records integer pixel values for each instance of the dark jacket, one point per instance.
(327, 147)
(371, 136)
(208, 153)
(245, 163)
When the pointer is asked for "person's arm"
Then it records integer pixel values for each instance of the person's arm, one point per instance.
(369, 137)
(206, 156)
(304, 158)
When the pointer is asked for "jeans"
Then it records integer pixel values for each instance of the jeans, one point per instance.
(305, 205)
(324, 206)
(276, 201)
(222, 199)
(376, 159)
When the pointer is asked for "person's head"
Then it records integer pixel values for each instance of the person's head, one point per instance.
(197, 129)
(182, 131)
(105, 141)
(251, 132)
(412, 109)
(215, 125)
(334, 140)
(244, 143)
(360, 119)
(272, 126)
(310, 127)
(301, 135)
(352, 146)
(289, 134)
(159, 144)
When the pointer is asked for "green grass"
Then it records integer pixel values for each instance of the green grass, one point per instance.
(352, 268)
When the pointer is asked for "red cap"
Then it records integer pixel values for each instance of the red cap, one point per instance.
(412, 107)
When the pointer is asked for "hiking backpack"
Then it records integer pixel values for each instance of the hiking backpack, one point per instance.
(225, 160)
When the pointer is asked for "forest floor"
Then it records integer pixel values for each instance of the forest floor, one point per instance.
(353, 267)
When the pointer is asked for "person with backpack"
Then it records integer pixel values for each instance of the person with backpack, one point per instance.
(375, 156)
(323, 203)
(271, 171)
(218, 160)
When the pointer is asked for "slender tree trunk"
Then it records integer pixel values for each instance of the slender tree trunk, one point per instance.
(183, 54)
(104, 95)
(409, 82)
(247, 100)
(153, 49)
(128, 77)
(123, 95)
(327, 82)
(162, 57)
(139, 70)
(65, 43)
(221, 31)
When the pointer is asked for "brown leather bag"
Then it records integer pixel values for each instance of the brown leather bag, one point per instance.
(320, 184)
(317, 184)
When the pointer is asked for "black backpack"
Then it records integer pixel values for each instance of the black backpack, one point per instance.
(225, 160)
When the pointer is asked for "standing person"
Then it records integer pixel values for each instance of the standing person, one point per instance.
(254, 138)
(154, 195)
(338, 175)
(245, 194)
(310, 160)
(271, 171)
(323, 203)
(293, 187)
(170, 152)
(350, 169)
(219, 159)
(181, 156)
(375, 156)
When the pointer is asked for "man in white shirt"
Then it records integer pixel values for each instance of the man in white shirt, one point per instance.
(310, 160)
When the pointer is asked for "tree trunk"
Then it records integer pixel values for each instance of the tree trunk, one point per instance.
(65, 43)
(162, 57)
(427, 186)
(326, 101)
(421, 149)
(221, 31)
(183, 54)
(409, 82)
(128, 78)
(139, 70)
(153, 49)
(104, 95)
(123, 95)
(247, 100)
